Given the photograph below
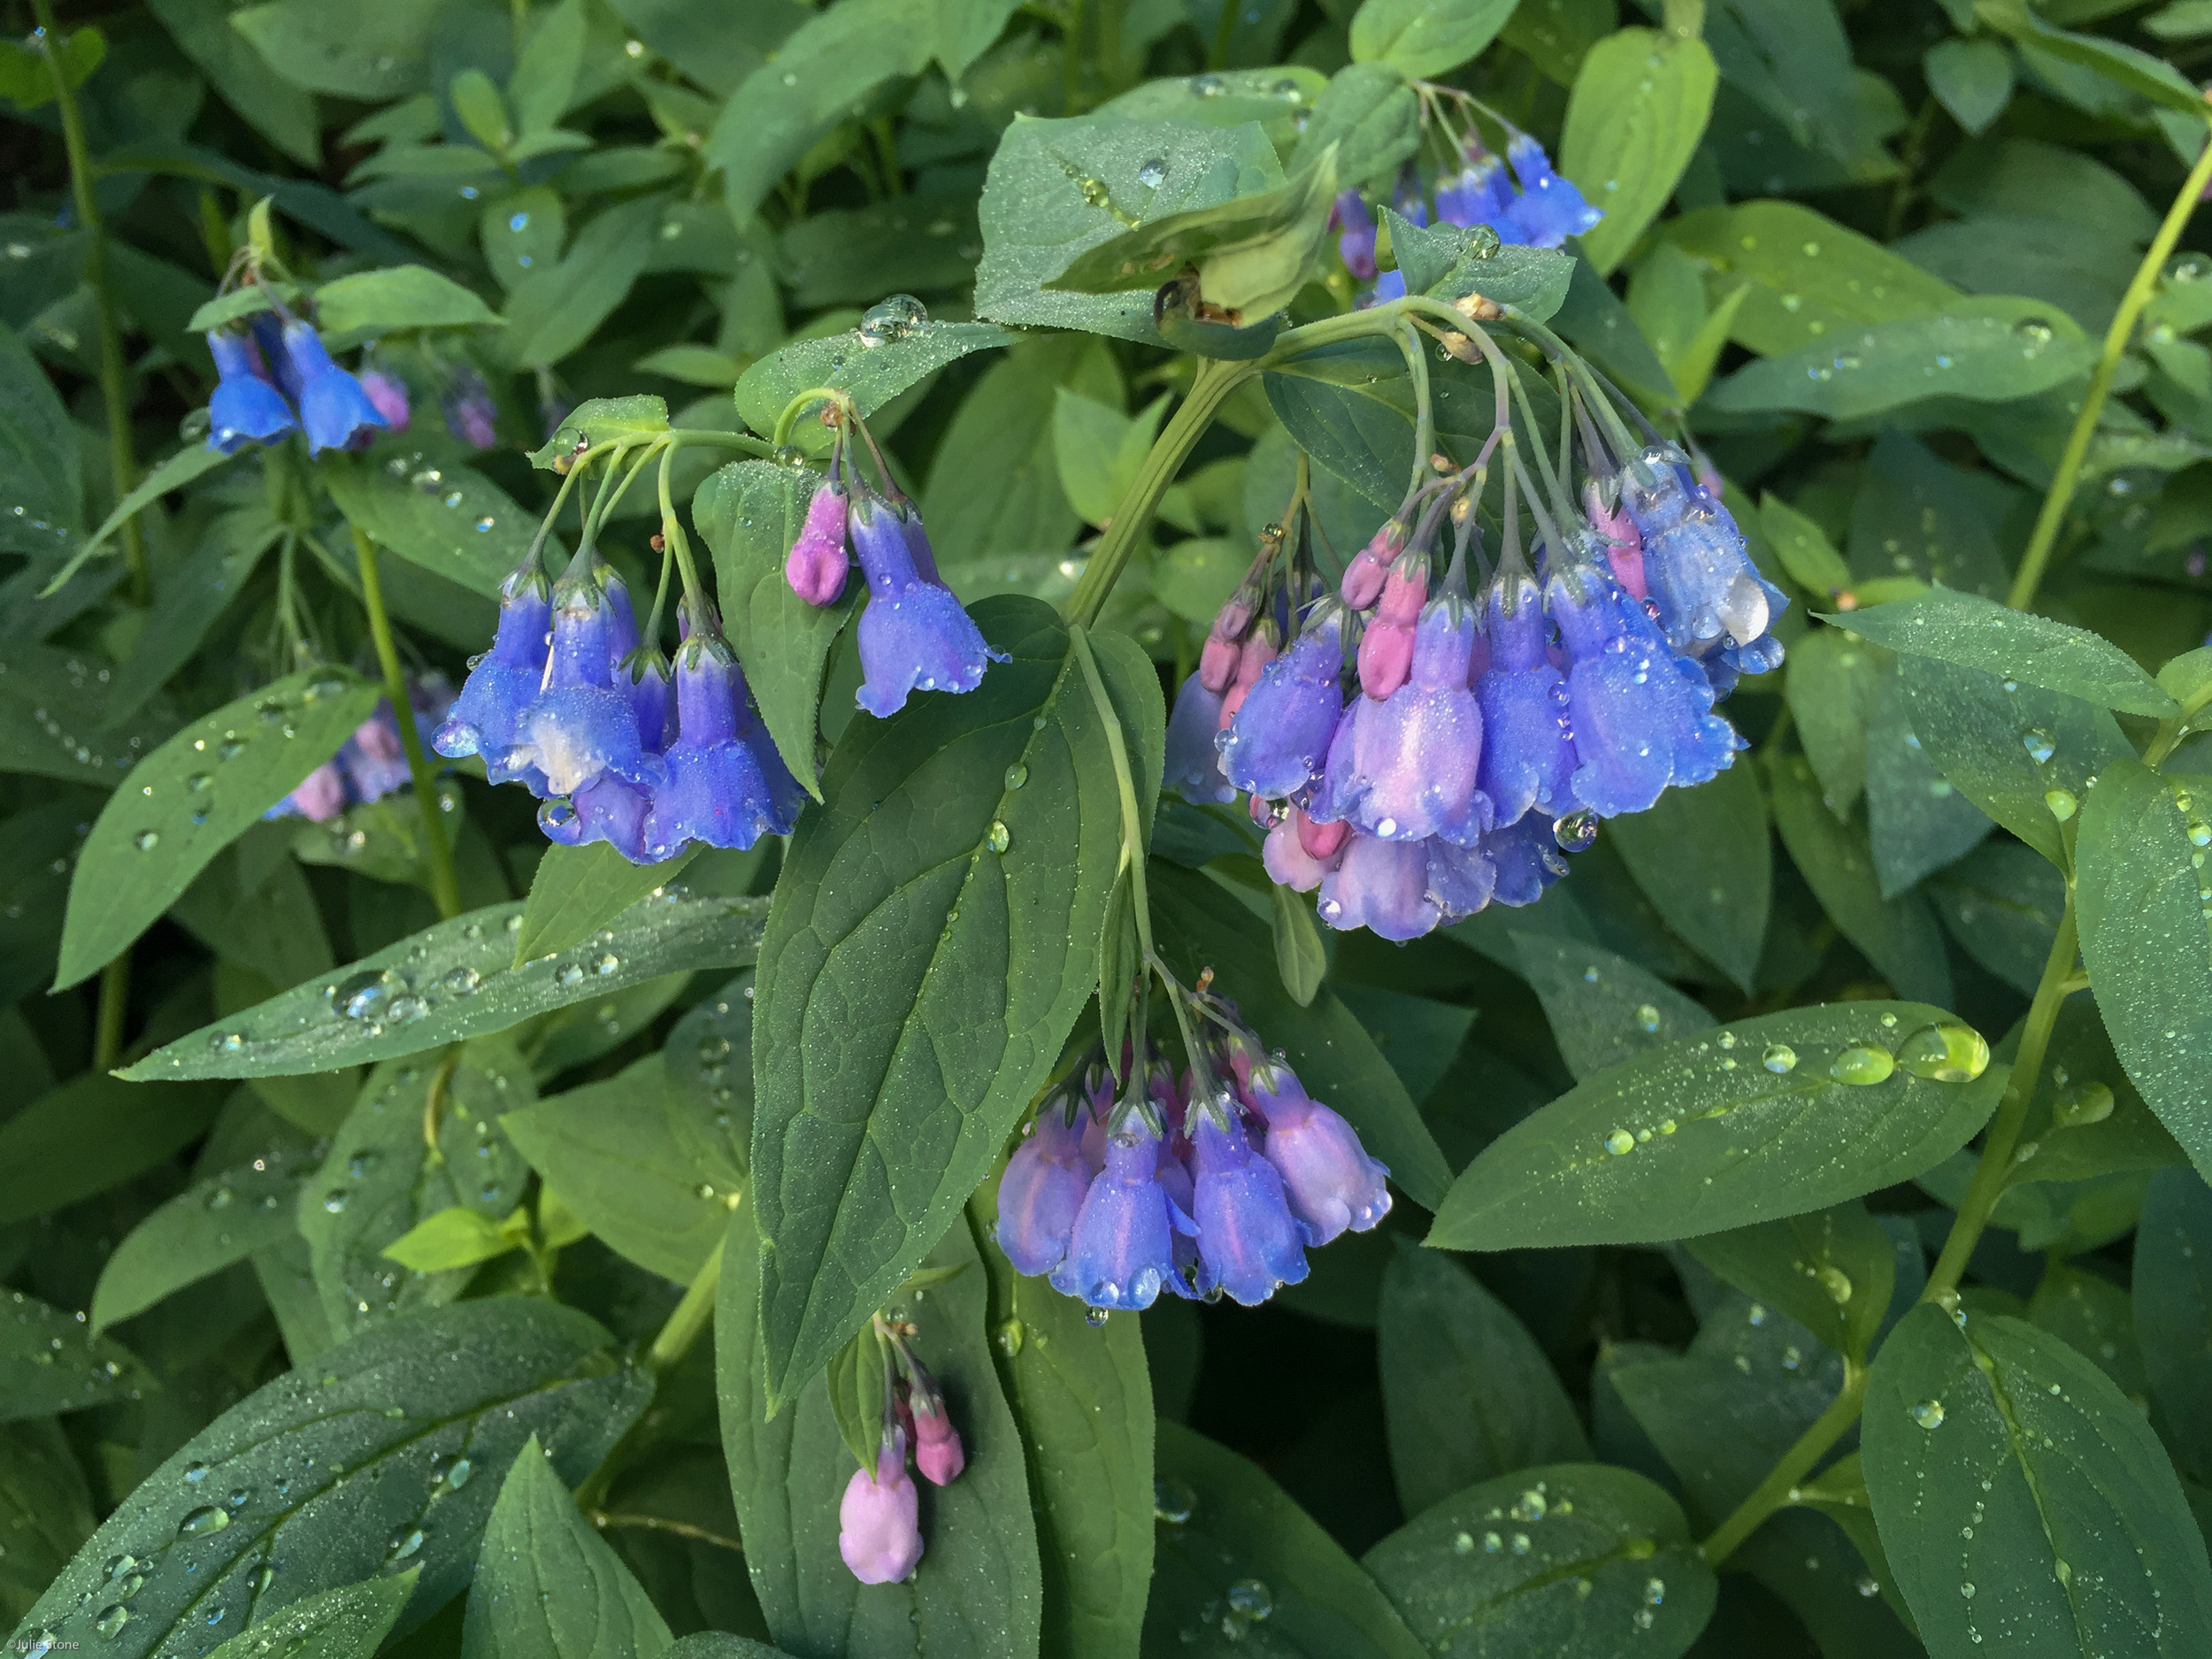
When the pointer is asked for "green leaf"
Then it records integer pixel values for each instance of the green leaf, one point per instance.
(2172, 1287)
(28, 71)
(1917, 821)
(1196, 925)
(190, 597)
(1832, 1271)
(855, 1381)
(376, 56)
(1705, 860)
(900, 915)
(342, 1465)
(478, 105)
(1449, 263)
(1300, 961)
(93, 1133)
(347, 1622)
(1467, 1394)
(750, 513)
(557, 308)
(372, 303)
(1559, 1528)
(597, 420)
(1900, 935)
(2144, 938)
(1971, 632)
(448, 1238)
(2079, 1542)
(210, 1225)
(1083, 1399)
(454, 980)
(977, 1591)
(381, 1178)
(1422, 38)
(870, 375)
(2001, 904)
(1806, 553)
(579, 890)
(50, 1361)
(1832, 679)
(1370, 116)
(452, 520)
(2127, 66)
(2085, 1119)
(994, 487)
(1639, 104)
(547, 1585)
(1602, 1009)
(195, 795)
(193, 461)
(45, 466)
(1234, 1554)
(1972, 79)
(58, 718)
(1760, 1129)
(546, 70)
(44, 1508)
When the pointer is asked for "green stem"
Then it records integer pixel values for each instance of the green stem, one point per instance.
(1408, 339)
(2174, 727)
(1990, 1174)
(1794, 1465)
(690, 1317)
(1225, 35)
(115, 989)
(445, 888)
(792, 411)
(1072, 59)
(2061, 494)
(122, 460)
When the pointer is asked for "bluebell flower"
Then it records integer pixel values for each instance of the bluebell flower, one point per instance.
(1041, 1192)
(1528, 755)
(1299, 853)
(470, 414)
(1329, 1182)
(268, 328)
(1249, 1238)
(579, 725)
(643, 676)
(1356, 234)
(1526, 858)
(1122, 1251)
(1381, 886)
(820, 561)
(1480, 196)
(1462, 879)
(246, 406)
(608, 808)
(914, 634)
(1277, 741)
(1194, 764)
(333, 406)
(726, 785)
(486, 718)
(1549, 209)
(1699, 573)
(1404, 768)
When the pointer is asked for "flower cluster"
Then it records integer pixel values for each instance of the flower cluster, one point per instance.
(1415, 756)
(879, 1526)
(275, 376)
(571, 704)
(371, 764)
(1204, 1187)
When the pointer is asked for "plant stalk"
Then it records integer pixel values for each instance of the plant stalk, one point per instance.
(115, 989)
(1794, 1465)
(690, 1317)
(445, 886)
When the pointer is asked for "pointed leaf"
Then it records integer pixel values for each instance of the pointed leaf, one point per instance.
(349, 1622)
(50, 1361)
(1972, 632)
(1705, 860)
(579, 890)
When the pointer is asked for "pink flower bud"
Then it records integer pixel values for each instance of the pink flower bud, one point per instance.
(819, 563)
(1364, 576)
(1322, 840)
(1218, 662)
(1623, 542)
(1258, 651)
(389, 397)
(879, 1530)
(937, 1451)
(1386, 650)
(379, 737)
(321, 795)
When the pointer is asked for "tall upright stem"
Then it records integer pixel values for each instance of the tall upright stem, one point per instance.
(114, 377)
(445, 888)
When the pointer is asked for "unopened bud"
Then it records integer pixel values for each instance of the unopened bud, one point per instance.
(1364, 576)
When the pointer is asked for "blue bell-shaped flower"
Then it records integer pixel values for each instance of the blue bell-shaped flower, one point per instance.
(579, 725)
(1404, 768)
(334, 406)
(1549, 209)
(1122, 1252)
(1193, 763)
(1528, 754)
(1277, 741)
(486, 718)
(726, 785)
(608, 808)
(1249, 1240)
(914, 635)
(246, 406)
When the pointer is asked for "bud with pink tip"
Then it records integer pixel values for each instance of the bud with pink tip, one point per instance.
(1218, 658)
(818, 562)
(1624, 542)
(879, 1521)
(1364, 576)
(388, 394)
(1258, 650)
(937, 1450)
(1386, 650)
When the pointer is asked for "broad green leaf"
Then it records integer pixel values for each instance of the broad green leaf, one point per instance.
(1420, 1036)
(1197, 924)
(28, 69)
(2096, 1318)
(629, 420)
(50, 1361)
(869, 371)
(1449, 264)
(546, 70)
(1705, 860)
(580, 1034)
(1832, 677)
(1639, 104)
(382, 1178)
(1900, 935)
(189, 597)
(557, 308)
(579, 890)
(993, 486)
(717, 1644)
(371, 304)
(1839, 1493)
(454, 980)
(2022, 1500)
(192, 462)
(977, 1591)
(58, 718)
(1467, 1395)
(1971, 632)
(1832, 1271)
(1824, 1572)
(1370, 116)
(45, 1511)
(363, 1464)
(193, 796)
(1713, 1132)
(449, 519)
(2010, 748)
(547, 1585)
(447, 1238)
(1561, 1558)
(1082, 1396)
(2137, 71)
(386, 56)
(1601, 1008)
(1972, 79)
(1235, 1558)
(2001, 904)
(1806, 553)
(1424, 38)
(1300, 960)
(854, 1378)
(347, 1622)
(933, 938)
(1917, 518)
(2085, 1119)
(1918, 820)
(44, 464)
(751, 513)
(205, 1228)
(91, 1133)
(2144, 937)
(2173, 1313)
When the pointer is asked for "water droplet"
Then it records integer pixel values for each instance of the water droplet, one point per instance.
(571, 973)
(112, 1620)
(1928, 1413)
(336, 1199)
(404, 1541)
(1863, 1063)
(892, 319)
(1530, 1506)
(606, 964)
(1009, 1337)
(1152, 174)
(146, 840)
(1780, 1059)
(1945, 1052)
(1095, 1317)
(365, 994)
(998, 838)
(1017, 775)
(227, 1042)
(194, 1473)
(1252, 1599)
(1464, 1544)
(2038, 744)
(1620, 1142)
(2063, 803)
(2083, 1103)
(1172, 1501)
(1836, 1282)
(1575, 831)
(207, 1518)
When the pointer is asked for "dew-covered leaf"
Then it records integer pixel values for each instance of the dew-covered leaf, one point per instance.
(1971, 632)
(50, 1361)
(1769, 1118)
(58, 718)
(2172, 1290)
(577, 890)
(1918, 820)
(2001, 904)
(204, 1229)
(1639, 104)
(45, 1511)
(372, 303)
(601, 420)
(1602, 1009)
(1705, 860)
(1424, 38)
(348, 1622)
(450, 519)
(454, 980)
(1832, 679)
(870, 368)
(1830, 1270)
(364, 1463)
(2085, 1119)
(91, 1133)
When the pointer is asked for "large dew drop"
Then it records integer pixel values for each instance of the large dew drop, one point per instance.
(1927, 1413)
(1945, 1052)
(1780, 1059)
(1863, 1063)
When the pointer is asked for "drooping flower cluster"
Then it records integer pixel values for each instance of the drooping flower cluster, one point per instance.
(275, 376)
(1414, 756)
(371, 764)
(1214, 1185)
(879, 1526)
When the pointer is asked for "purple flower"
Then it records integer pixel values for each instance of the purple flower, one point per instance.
(727, 786)
(642, 677)
(1041, 1192)
(470, 413)
(1381, 886)
(246, 406)
(333, 408)
(1480, 196)
(484, 718)
(1708, 593)
(579, 726)
(1355, 238)
(1123, 1248)
(1246, 1236)
(1549, 209)
(389, 394)
(878, 1519)
(1526, 858)
(938, 1453)
(1194, 764)
(1385, 647)
(1462, 879)
(818, 562)
(1329, 1182)
(607, 810)
(1404, 768)
(1370, 568)
(1278, 739)
(1300, 853)
(914, 634)
(320, 798)
(1528, 756)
